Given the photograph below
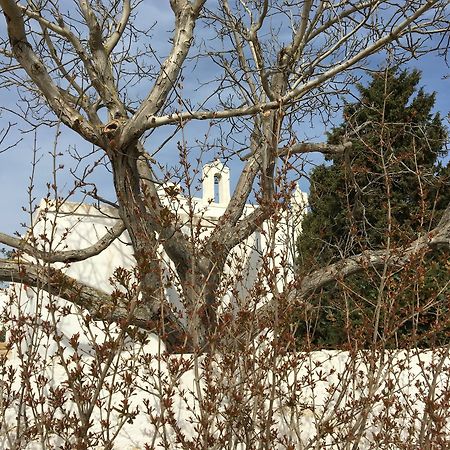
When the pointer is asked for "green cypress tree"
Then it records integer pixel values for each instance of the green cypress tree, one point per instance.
(388, 187)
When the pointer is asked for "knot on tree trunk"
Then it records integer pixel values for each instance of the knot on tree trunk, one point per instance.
(112, 132)
(112, 128)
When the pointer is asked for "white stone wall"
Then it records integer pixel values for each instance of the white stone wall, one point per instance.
(331, 389)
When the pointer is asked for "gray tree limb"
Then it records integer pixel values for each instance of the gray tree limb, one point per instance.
(37, 71)
(67, 255)
(100, 305)
(395, 258)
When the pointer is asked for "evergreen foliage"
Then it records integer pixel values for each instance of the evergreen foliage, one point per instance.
(385, 190)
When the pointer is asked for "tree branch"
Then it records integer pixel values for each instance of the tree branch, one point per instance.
(36, 70)
(55, 282)
(163, 221)
(394, 34)
(103, 80)
(112, 41)
(393, 258)
(244, 186)
(100, 305)
(185, 19)
(239, 48)
(68, 255)
(310, 147)
(246, 227)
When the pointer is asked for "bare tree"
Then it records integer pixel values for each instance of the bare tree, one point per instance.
(272, 63)
(252, 74)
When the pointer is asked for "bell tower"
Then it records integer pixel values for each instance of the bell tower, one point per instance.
(216, 183)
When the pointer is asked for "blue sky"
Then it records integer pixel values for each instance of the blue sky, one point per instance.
(16, 167)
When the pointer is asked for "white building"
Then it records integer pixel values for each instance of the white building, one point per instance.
(58, 227)
(77, 226)
(68, 225)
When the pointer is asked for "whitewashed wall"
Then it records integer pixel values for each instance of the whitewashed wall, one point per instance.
(321, 389)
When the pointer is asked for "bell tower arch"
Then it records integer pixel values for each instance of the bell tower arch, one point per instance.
(216, 183)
